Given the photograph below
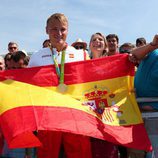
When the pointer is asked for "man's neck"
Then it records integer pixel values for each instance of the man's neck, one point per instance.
(60, 48)
(112, 53)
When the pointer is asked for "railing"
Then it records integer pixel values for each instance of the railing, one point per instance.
(148, 114)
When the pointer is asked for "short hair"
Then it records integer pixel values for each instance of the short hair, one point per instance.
(112, 36)
(57, 16)
(16, 56)
(11, 43)
(140, 40)
(130, 45)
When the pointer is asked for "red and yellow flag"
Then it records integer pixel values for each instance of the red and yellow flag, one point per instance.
(99, 103)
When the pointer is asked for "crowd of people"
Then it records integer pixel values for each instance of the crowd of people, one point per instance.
(143, 54)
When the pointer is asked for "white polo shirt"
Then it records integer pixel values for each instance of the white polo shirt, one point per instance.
(44, 56)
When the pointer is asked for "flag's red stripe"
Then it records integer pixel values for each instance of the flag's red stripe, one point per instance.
(28, 119)
(77, 72)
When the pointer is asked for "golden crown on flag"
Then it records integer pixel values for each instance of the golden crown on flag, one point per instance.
(96, 93)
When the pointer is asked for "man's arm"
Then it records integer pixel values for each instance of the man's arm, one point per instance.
(141, 52)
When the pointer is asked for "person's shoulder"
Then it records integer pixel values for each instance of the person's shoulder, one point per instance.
(44, 50)
(41, 51)
(36, 57)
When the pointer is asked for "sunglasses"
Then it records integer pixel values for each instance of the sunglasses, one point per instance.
(12, 48)
(79, 47)
(124, 51)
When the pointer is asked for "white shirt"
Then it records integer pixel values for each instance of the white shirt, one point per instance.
(45, 57)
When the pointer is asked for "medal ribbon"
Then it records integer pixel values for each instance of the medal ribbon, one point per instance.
(62, 67)
(59, 71)
(56, 65)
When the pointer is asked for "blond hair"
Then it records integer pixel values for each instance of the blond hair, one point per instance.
(105, 51)
(57, 16)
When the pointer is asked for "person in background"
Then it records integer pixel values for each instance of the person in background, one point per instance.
(79, 44)
(140, 53)
(75, 146)
(140, 42)
(15, 60)
(12, 47)
(113, 44)
(20, 59)
(99, 48)
(98, 45)
(46, 43)
(143, 80)
(146, 86)
(8, 62)
(126, 48)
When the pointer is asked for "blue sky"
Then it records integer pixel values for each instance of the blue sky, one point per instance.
(24, 21)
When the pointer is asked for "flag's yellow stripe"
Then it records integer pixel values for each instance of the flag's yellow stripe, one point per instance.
(17, 94)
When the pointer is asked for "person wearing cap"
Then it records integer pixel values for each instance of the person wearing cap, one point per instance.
(79, 44)
(75, 146)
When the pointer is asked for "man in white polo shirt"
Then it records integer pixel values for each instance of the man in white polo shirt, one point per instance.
(45, 56)
(57, 29)
(75, 146)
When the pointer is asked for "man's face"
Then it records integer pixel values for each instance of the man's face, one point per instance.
(12, 48)
(112, 43)
(20, 64)
(57, 32)
(79, 46)
(140, 44)
(9, 64)
(126, 49)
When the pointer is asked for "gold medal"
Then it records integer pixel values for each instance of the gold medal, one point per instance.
(62, 88)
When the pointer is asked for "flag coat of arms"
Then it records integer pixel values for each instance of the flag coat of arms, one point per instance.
(99, 102)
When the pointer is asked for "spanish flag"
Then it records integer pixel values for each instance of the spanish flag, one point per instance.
(99, 103)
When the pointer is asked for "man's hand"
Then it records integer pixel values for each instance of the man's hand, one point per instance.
(133, 59)
(154, 43)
